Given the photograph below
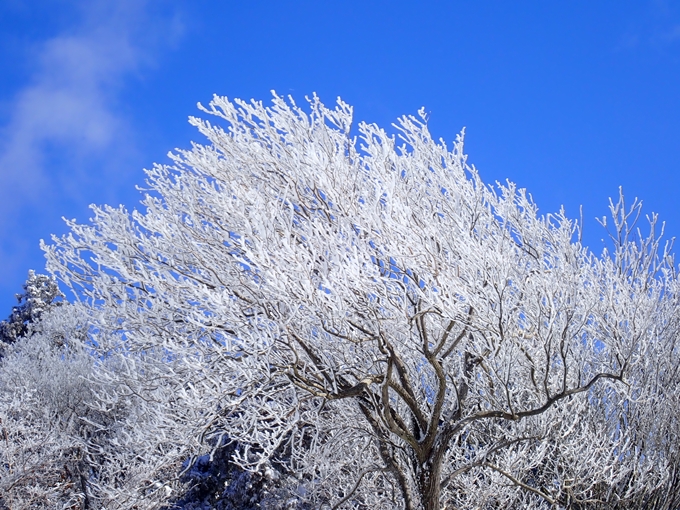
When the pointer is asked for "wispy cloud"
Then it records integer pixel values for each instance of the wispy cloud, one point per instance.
(670, 35)
(657, 27)
(71, 107)
(71, 99)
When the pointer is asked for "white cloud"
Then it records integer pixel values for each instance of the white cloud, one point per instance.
(70, 104)
(71, 98)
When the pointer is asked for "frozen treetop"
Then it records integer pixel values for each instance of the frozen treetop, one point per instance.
(40, 293)
(365, 304)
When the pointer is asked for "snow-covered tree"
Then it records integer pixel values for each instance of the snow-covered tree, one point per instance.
(64, 442)
(40, 293)
(43, 396)
(406, 335)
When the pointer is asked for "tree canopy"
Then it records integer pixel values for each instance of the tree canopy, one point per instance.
(366, 321)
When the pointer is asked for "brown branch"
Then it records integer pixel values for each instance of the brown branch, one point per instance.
(520, 484)
(398, 429)
(402, 480)
(356, 485)
(494, 449)
(533, 412)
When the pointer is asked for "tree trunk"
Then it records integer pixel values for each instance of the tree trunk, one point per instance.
(430, 480)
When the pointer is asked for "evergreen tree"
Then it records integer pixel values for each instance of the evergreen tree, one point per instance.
(41, 292)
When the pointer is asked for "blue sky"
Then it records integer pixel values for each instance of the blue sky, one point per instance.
(568, 99)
